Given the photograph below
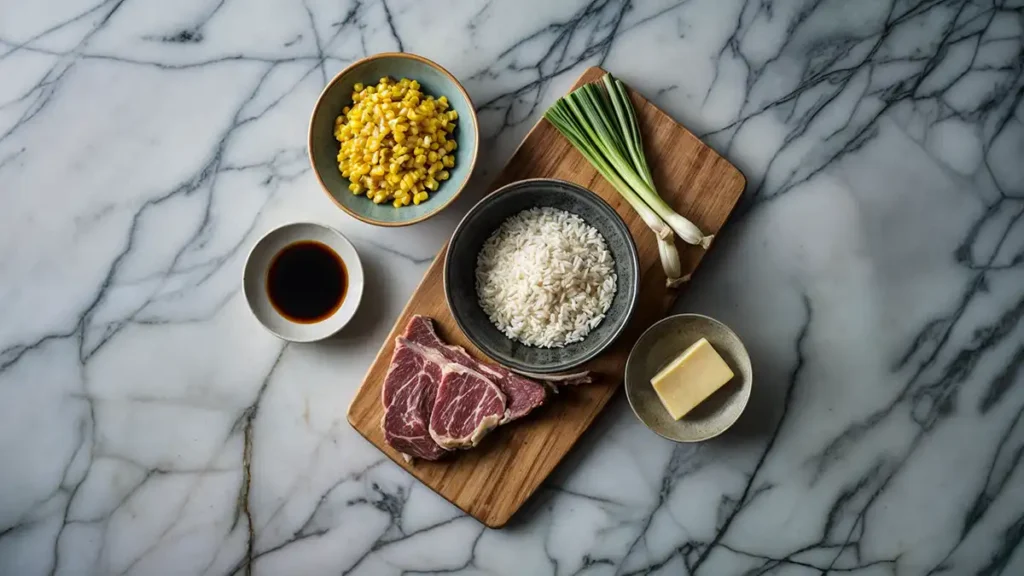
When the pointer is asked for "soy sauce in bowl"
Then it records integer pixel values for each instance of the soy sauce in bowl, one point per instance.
(306, 282)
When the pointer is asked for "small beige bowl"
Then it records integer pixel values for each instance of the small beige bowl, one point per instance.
(658, 346)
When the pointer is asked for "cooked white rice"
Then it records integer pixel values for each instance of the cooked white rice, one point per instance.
(545, 277)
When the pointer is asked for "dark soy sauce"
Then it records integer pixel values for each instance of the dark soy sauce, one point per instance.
(306, 282)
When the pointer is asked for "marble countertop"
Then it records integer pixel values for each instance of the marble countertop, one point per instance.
(875, 270)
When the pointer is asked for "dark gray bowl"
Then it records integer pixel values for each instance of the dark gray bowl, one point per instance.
(484, 219)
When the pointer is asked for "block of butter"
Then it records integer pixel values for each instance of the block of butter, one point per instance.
(691, 378)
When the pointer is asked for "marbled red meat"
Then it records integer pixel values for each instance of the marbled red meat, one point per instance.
(468, 406)
(522, 394)
(409, 392)
(437, 397)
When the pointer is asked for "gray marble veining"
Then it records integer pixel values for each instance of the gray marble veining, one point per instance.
(875, 271)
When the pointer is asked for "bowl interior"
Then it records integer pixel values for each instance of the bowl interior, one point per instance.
(658, 346)
(323, 149)
(484, 219)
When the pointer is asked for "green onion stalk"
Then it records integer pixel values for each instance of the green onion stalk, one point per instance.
(600, 122)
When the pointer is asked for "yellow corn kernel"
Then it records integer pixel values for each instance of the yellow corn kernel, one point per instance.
(419, 197)
(394, 142)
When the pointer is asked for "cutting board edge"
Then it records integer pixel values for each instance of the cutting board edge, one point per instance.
(392, 334)
(500, 517)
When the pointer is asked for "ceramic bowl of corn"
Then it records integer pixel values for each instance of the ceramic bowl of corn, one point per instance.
(393, 139)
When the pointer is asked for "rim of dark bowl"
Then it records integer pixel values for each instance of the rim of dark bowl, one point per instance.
(570, 188)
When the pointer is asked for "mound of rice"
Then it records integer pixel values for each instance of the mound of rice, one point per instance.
(545, 277)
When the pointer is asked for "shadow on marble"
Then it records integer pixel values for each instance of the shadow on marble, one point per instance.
(617, 429)
(477, 187)
(594, 441)
(758, 419)
(369, 313)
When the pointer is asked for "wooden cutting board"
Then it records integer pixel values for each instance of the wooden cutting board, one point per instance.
(491, 481)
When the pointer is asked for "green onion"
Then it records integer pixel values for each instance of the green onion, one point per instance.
(601, 123)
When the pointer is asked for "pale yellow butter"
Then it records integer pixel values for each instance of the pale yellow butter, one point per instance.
(691, 378)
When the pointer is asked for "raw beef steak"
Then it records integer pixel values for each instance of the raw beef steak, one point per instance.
(409, 392)
(468, 406)
(438, 398)
(522, 394)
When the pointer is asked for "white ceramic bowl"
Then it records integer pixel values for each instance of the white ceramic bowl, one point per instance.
(257, 265)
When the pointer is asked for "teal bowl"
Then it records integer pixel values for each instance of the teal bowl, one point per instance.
(323, 147)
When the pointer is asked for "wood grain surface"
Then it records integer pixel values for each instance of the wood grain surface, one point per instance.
(491, 481)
